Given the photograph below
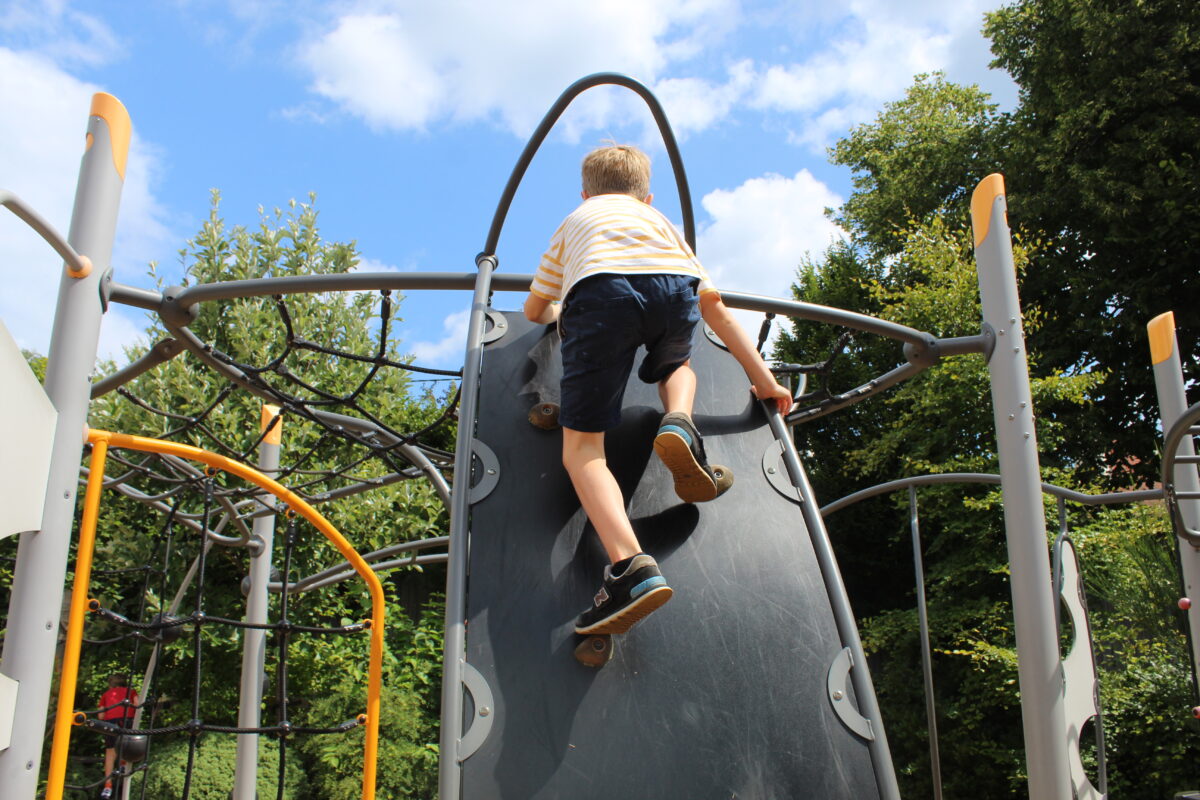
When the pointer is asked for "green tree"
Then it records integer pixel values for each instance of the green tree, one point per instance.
(1103, 151)
(920, 157)
(1098, 159)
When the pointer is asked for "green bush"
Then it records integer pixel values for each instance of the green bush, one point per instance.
(212, 769)
(407, 764)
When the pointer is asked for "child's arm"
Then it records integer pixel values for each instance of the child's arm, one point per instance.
(540, 310)
(764, 385)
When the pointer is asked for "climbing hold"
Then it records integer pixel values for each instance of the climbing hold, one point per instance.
(544, 416)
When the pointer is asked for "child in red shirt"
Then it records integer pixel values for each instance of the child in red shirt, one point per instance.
(117, 706)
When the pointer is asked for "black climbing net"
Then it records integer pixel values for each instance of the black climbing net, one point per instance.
(351, 426)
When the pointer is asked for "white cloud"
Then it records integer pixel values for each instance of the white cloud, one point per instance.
(54, 29)
(448, 349)
(880, 47)
(405, 66)
(759, 233)
(410, 66)
(693, 104)
(39, 160)
(762, 229)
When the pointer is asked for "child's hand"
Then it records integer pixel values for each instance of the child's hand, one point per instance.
(776, 392)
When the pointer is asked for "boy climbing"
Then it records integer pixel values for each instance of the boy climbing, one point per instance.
(626, 278)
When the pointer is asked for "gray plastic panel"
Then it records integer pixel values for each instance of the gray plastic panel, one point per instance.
(721, 693)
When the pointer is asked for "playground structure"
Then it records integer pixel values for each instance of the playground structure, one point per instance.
(489, 676)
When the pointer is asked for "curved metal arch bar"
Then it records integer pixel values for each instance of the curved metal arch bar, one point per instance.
(1183, 427)
(1110, 498)
(543, 130)
(921, 349)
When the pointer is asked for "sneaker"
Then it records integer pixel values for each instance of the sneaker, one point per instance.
(681, 449)
(106, 793)
(626, 598)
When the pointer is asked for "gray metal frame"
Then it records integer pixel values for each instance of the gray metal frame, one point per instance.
(1039, 670)
(1180, 477)
(37, 590)
(254, 640)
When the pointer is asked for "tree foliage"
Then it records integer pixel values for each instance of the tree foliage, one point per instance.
(1098, 159)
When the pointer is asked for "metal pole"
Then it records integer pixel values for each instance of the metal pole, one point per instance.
(37, 590)
(839, 603)
(935, 759)
(455, 641)
(1172, 402)
(1039, 670)
(254, 644)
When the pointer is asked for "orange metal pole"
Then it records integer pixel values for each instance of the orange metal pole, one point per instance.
(69, 676)
(105, 439)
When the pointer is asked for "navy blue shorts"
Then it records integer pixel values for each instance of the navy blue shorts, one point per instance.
(604, 320)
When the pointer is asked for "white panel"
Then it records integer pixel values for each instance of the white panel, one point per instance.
(8, 708)
(27, 421)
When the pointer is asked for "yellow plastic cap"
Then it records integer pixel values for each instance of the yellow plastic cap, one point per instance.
(109, 109)
(275, 435)
(1162, 337)
(982, 201)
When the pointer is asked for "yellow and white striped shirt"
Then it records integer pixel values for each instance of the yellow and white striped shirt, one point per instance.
(614, 233)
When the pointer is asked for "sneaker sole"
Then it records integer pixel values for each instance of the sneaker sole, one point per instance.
(631, 614)
(692, 483)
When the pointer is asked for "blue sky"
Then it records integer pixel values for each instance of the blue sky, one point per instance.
(405, 118)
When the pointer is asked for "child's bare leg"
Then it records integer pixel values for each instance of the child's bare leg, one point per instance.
(678, 390)
(110, 761)
(599, 494)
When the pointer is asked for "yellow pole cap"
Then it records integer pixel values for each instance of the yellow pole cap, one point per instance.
(1162, 337)
(982, 201)
(275, 434)
(120, 129)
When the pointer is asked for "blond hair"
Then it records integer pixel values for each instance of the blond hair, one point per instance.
(617, 169)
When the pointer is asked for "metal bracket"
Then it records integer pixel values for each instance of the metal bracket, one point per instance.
(711, 335)
(499, 326)
(485, 712)
(776, 472)
(1080, 685)
(837, 685)
(489, 471)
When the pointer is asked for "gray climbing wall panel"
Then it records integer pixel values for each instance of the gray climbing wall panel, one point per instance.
(720, 694)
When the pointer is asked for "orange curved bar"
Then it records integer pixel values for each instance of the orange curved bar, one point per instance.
(104, 440)
(982, 201)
